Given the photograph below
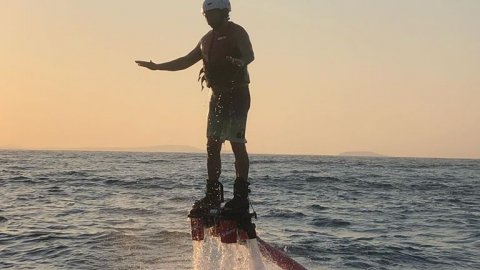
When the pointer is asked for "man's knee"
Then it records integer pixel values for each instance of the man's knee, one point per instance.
(214, 144)
(239, 148)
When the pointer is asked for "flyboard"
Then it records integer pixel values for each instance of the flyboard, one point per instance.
(237, 228)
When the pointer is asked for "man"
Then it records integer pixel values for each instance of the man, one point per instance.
(226, 51)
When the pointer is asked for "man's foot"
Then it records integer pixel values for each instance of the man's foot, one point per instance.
(213, 198)
(239, 204)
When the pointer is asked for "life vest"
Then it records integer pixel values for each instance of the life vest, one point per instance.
(215, 47)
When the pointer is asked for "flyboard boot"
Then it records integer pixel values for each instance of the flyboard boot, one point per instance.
(204, 211)
(231, 222)
(239, 204)
(212, 200)
(237, 209)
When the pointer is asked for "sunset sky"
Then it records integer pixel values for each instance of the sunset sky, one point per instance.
(400, 78)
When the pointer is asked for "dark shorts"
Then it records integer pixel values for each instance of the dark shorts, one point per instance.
(227, 116)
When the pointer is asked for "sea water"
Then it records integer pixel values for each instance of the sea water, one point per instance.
(113, 210)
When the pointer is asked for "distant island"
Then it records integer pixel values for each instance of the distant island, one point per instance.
(360, 154)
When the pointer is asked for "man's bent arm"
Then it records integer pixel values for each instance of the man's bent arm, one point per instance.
(245, 46)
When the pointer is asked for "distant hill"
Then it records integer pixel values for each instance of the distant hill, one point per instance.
(157, 148)
(171, 148)
(360, 154)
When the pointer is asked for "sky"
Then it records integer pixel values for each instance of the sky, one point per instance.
(399, 78)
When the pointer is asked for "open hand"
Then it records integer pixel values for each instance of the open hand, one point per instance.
(150, 65)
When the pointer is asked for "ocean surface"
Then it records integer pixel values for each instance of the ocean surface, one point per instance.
(112, 210)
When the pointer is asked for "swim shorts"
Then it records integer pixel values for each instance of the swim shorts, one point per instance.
(227, 115)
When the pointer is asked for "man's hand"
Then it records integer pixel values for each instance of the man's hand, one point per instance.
(150, 65)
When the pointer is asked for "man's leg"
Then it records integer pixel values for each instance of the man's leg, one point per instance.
(214, 190)
(239, 204)
(214, 162)
(242, 163)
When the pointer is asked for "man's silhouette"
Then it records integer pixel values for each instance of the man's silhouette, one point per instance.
(226, 51)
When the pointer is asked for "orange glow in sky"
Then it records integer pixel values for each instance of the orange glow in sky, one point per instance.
(399, 78)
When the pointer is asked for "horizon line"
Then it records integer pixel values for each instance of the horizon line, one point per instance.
(199, 151)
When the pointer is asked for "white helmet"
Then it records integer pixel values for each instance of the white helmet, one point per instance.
(216, 4)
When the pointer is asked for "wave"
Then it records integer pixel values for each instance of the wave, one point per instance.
(153, 183)
(34, 236)
(180, 198)
(112, 182)
(75, 173)
(360, 265)
(152, 178)
(71, 212)
(154, 161)
(122, 235)
(429, 186)
(315, 179)
(20, 168)
(265, 161)
(318, 207)
(374, 185)
(20, 178)
(55, 189)
(327, 222)
(284, 214)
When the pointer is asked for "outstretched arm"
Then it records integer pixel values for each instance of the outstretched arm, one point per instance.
(178, 64)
